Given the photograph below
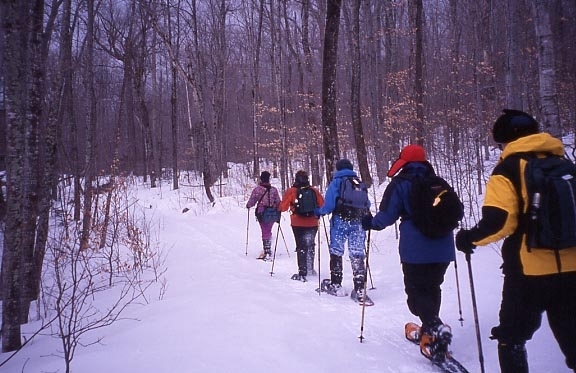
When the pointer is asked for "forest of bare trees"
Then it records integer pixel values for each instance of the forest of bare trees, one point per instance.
(92, 88)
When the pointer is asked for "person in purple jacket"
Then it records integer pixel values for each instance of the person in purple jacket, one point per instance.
(424, 260)
(264, 195)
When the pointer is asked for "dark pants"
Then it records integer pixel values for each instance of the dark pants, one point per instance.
(422, 286)
(524, 300)
(304, 237)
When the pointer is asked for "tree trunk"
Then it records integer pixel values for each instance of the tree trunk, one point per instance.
(417, 25)
(25, 47)
(515, 97)
(355, 105)
(256, 98)
(546, 68)
(309, 103)
(330, 59)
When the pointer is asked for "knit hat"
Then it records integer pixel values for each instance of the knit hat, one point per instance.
(411, 153)
(344, 163)
(265, 177)
(301, 178)
(512, 125)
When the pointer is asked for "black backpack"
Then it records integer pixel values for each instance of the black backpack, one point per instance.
(551, 187)
(435, 207)
(352, 202)
(305, 201)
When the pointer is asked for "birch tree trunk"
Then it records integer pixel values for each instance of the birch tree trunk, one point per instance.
(26, 43)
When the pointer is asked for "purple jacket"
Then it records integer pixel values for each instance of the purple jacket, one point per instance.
(270, 199)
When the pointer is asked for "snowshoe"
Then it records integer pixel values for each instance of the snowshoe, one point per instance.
(298, 277)
(333, 289)
(359, 296)
(434, 344)
(412, 332)
(265, 255)
(445, 360)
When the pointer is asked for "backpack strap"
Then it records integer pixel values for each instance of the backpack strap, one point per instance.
(263, 195)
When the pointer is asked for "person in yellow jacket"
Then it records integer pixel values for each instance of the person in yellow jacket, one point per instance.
(535, 281)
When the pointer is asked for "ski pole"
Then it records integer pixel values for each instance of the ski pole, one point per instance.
(368, 264)
(461, 319)
(325, 230)
(283, 239)
(247, 227)
(364, 303)
(475, 308)
(274, 256)
(319, 284)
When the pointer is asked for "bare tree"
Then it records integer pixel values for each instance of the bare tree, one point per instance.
(515, 95)
(416, 20)
(310, 96)
(91, 120)
(26, 35)
(355, 93)
(174, 39)
(330, 59)
(546, 68)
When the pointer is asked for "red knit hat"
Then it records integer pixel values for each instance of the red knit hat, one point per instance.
(411, 153)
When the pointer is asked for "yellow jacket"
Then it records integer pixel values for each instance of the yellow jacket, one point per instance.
(506, 203)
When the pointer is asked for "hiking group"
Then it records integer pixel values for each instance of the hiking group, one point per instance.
(530, 202)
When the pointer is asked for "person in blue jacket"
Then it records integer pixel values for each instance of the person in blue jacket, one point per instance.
(424, 260)
(345, 226)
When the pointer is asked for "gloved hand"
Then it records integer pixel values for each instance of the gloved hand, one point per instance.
(317, 212)
(464, 242)
(367, 222)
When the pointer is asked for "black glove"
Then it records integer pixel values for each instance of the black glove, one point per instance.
(463, 242)
(367, 222)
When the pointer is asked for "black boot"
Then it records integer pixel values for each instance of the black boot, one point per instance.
(301, 255)
(358, 273)
(336, 269)
(267, 244)
(513, 358)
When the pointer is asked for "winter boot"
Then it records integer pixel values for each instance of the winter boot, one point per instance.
(358, 272)
(299, 277)
(435, 340)
(301, 256)
(358, 292)
(333, 289)
(336, 269)
(513, 358)
(267, 244)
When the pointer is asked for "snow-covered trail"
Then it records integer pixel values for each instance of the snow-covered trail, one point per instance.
(224, 312)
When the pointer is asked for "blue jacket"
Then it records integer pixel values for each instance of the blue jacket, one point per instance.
(333, 191)
(414, 247)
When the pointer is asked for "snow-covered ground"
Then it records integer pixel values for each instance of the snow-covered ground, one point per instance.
(223, 311)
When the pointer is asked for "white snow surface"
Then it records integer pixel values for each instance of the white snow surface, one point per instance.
(223, 310)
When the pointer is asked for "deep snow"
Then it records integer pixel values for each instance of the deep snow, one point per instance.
(223, 311)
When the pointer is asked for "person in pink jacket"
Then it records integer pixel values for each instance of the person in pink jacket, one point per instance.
(264, 195)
